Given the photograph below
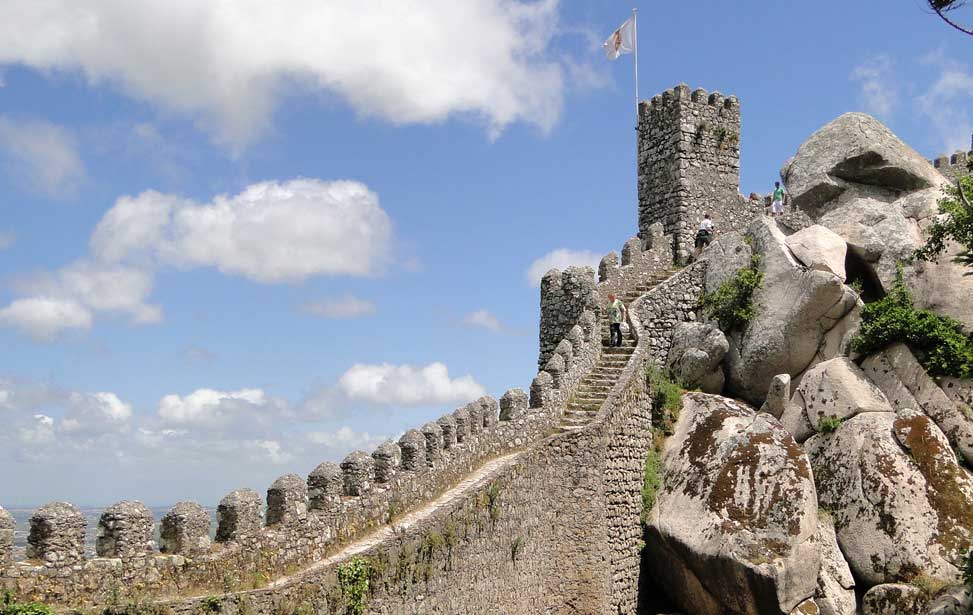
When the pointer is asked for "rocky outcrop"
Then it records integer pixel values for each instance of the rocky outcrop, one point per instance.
(820, 249)
(778, 396)
(901, 503)
(893, 599)
(858, 179)
(831, 392)
(695, 356)
(907, 385)
(797, 309)
(957, 600)
(735, 524)
(836, 586)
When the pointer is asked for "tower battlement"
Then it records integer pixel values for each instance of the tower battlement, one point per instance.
(689, 164)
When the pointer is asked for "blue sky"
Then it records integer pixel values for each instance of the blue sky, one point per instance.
(239, 239)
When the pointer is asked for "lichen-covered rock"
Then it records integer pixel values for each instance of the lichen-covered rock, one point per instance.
(795, 309)
(855, 148)
(836, 586)
(907, 385)
(831, 391)
(778, 396)
(893, 599)
(735, 520)
(695, 356)
(858, 179)
(900, 502)
(819, 248)
(956, 600)
(325, 482)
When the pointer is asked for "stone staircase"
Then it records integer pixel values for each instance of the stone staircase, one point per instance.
(593, 390)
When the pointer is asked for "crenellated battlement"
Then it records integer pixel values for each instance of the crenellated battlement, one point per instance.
(953, 166)
(689, 164)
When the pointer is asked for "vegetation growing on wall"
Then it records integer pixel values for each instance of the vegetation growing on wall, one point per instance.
(12, 607)
(939, 342)
(353, 579)
(732, 303)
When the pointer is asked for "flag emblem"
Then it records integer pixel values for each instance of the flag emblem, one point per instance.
(621, 41)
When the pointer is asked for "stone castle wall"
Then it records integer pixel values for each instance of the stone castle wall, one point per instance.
(689, 164)
(955, 166)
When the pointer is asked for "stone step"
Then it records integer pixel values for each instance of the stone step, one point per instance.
(594, 389)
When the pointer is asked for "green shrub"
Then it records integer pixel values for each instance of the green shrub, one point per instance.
(732, 303)
(829, 424)
(954, 224)
(967, 568)
(939, 342)
(652, 481)
(353, 578)
(666, 398)
(211, 605)
(11, 607)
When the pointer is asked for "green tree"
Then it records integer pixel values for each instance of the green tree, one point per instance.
(946, 9)
(954, 224)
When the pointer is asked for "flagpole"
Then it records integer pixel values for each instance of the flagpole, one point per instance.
(635, 35)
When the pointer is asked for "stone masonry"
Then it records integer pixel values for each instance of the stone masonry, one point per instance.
(689, 164)
(955, 166)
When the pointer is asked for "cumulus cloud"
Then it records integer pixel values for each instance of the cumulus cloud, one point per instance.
(402, 62)
(878, 92)
(41, 155)
(945, 104)
(347, 306)
(562, 258)
(44, 318)
(212, 409)
(270, 232)
(483, 319)
(407, 385)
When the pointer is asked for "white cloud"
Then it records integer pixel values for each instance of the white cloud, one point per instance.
(347, 306)
(407, 385)
(211, 409)
(96, 413)
(42, 155)
(344, 438)
(561, 258)
(484, 320)
(879, 92)
(270, 232)
(7, 239)
(946, 103)
(43, 318)
(402, 62)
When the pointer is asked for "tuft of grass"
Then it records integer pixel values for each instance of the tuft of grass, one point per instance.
(651, 481)
(732, 303)
(666, 399)
(829, 424)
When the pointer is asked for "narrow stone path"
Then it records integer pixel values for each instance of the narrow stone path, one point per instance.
(472, 482)
(595, 387)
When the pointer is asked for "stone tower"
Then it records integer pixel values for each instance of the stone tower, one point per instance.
(689, 164)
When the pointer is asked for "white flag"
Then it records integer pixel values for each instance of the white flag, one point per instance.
(621, 41)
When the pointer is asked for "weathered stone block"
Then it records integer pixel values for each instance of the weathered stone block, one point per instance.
(541, 389)
(185, 530)
(57, 535)
(388, 458)
(433, 434)
(125, 531)
(476, 417)
(358, 471)
(462, 418)
(287, 500)
(413, 445)
(7, 526)
(513, 405)
(238, 515)
(488, 411)
(448, 425)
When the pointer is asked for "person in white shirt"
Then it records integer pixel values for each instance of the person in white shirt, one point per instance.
(704, 235)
